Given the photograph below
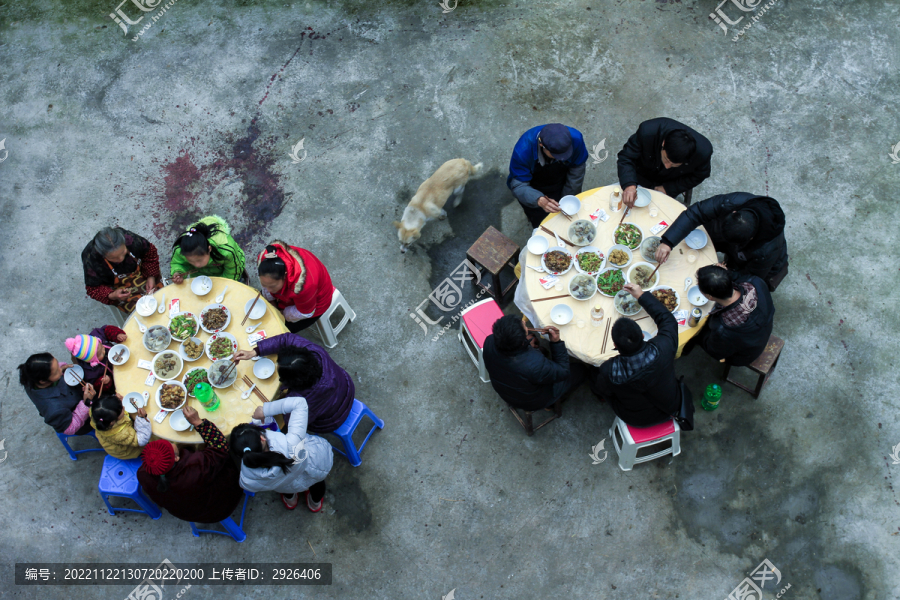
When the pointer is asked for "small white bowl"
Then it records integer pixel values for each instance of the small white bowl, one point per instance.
(184, 354)
(146, 306)
(624, 249)
(138, 399)
(171, 382)
(263, 368)
(588, 249)
(588, 280)
(561, 314)
(696, 239)
(629, 277)
(259, 310)
(560, 248)
(538, 244)
(115, 350)
(201, 285)
(178, 422)
(696, 297)
(570, 205)
(178, 359)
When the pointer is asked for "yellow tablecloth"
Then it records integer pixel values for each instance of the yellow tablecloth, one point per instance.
(232, 409)
(585, 343)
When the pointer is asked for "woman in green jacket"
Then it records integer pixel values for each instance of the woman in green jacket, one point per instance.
(207, 248)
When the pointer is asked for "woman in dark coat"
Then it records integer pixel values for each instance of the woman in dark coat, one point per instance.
(119, 267)
(306, 370)
(59, 404)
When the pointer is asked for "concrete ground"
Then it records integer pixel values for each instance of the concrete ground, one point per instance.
(199, 115)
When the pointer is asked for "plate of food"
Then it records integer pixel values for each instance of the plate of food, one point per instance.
(626, 304)
(570, 205)
(171, 395)
(696, 297)
(138, 399)
(201, 285)
(194, 376)
(264, 368)
(258, 311)
(215, 317)
(610, 281)
(118, 354)
(696, 239)
(639, 273)
(146, 306)
(628, 234)
(668, 296)
(69, 375)
(557, 261)
(643, 197)
(537, 244)
(619, 256)
(582, 287)
(582, 232)
(167, 364)
(191, 349)
(649, 247)
(221, 346)
(589, 260)
(178, 422)
(561, 314)
(157, 338)
(183, 325)
(222, 375)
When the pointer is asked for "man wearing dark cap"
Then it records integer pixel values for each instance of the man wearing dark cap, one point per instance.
(664, 155)
(547, 163)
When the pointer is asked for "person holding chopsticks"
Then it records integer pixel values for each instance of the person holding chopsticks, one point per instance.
(89, 352)
(207, 248)
(119, 268)
(119, 436)
(296, 282)
(60, 405)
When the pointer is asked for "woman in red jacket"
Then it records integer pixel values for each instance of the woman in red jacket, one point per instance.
(296, 282)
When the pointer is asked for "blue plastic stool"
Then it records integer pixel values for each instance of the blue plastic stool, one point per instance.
(72, 453)
(345, 431)
(119, 478)
(232, 529)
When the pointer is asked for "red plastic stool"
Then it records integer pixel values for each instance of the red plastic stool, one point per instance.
(476, 325)
(635, 438)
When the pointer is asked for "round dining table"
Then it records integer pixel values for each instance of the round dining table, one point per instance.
(583, 339)
(233, 409)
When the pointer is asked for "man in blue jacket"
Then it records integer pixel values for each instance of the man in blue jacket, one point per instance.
(547, 163)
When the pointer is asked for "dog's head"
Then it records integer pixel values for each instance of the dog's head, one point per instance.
(406, 235)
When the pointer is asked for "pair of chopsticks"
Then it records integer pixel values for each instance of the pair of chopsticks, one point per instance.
(551, 298)
(256, 391)
(623, 215)
(230, 370)
(565, 214)
(557, 235)
(538, 330)
(252, 306)
(606, 335)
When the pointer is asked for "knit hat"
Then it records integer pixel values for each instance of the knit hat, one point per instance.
(158, 457)
(84, 347)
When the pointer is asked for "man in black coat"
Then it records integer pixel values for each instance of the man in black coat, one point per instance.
(664, 155)
(739, 326)
(747, 228)
(640, 383)
(521, 374)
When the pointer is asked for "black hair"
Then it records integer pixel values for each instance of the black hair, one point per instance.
(714, 281)
(299, 368)
(195, 241)
(679, 146)
(627, 336)
(105, 410)
(740, 227)
(36, 369)
(272, 267)
(247, 436)
(509, 336)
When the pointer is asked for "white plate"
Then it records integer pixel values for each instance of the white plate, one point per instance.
(263, 368)
(156, 348)
(171, 382)
(570, 205)
(138, 399)
(696, 239)
(590, 237)
(604, 271)
(696, 297)
(173, 354)
(625, 294)
(189, 314)
(643, 235)
(201, 285)
(184, 354)
(209, 307)
(178, 422)
(537, 244)
(650, 285)
(551, 249)
(590, 249)
(589, 281)
(643, 197)
(115, 350)
(69, 374)
(146, 306)
(626, 250)
(561, 314)
(259, 310)
(188, 374)
(224, 335)
(677, 295)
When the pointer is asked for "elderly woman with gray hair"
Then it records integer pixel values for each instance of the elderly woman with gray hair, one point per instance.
(119, 267)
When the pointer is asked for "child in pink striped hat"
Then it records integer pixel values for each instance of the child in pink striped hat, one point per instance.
(89, 351)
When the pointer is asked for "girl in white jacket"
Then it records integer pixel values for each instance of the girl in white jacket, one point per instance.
(286, 463)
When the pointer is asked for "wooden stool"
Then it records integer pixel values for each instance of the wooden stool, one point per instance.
(526, 422)
(493, 252)
(764, 365)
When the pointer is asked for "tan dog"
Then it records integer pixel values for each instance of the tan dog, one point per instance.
(428, 203)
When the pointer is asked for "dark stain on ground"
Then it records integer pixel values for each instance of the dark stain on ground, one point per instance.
(350, 503)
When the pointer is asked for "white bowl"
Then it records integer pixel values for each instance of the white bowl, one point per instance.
(201, 285)
(647, 336)
(589, 282)
(146, 306)
(643, 197)
(696, 239)
(184, 354)
(259, 311)
(263, 368)
(126, 354)
(138, 399)
(171, 382)
(643, 235)
(214, 337)
(210, 307)
(560, 248)
(178, 360)
(188, 374)
(70, 377)
(696, 297)
(178, 422)
(590, 237)
(561, 314)
(157, 347)
(607, 269)
(187, 314)
(588, 249)
(651, 258)
(570, 205)
(625, 295)
(630, 275)
(677, 295)
(228, 382)
(538, 244)
(624, 249)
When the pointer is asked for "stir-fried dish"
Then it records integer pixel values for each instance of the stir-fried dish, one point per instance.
(183, 326)
(611, 282)
(193, 350)
(667, 297)
(214, 318)
(194, 377)
(221, 348)
(557, 261)
(628, 235)
(618, 257)
(171, 396)
(590, 261)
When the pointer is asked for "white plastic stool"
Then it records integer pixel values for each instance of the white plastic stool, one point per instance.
(476, 323)
(635, 438)
(328, 332)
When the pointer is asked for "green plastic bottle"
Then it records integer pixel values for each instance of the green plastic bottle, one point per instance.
(711, 397)
(207, 396)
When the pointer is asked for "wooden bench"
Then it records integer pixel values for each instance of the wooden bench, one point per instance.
(763, 366)
(527, 424)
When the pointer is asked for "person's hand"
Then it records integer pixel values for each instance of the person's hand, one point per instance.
(629, 195)
(662, 253)
(89, 392)
(121, 338)
(660, 188)
(634, 290)
(550, 206)
(178, 278)
(142, 413)
(532, 341)
(258, 414)
(190, 413)
(553, 332)
(722, 265)
(150, 285)
(120, 294)
(244, 355)
(65, 366)
(106, 380)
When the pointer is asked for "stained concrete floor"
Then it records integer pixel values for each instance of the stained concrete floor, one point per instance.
(199, 115)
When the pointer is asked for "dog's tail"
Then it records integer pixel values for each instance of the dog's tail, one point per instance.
(476, 170)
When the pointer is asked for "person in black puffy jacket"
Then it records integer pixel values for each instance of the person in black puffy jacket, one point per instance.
(640, 383)
(747, 228)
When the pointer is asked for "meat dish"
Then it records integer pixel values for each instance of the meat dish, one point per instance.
(217, 374)
(668, 298)
(618, 257)
(194, 377)
(611, 282)
(183, 326)
(557, 261)
(165, 365)
(171, 396)
(192, 349)
(582, 232)
(581, 287)
(628, 235)
(214, 318)
(590, 262)
(626, 304)
(649, 247)
(221, 347)
(157, 338)
(641, 276)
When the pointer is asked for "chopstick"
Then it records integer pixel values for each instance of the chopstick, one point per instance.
(551, 298)
(606, 335)
(539, 330)
(642, 318)
(650, 277)
(78, 379)
(252, 306)
(623, 216)
(557, 235)
(565, 214)
(256, 391)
